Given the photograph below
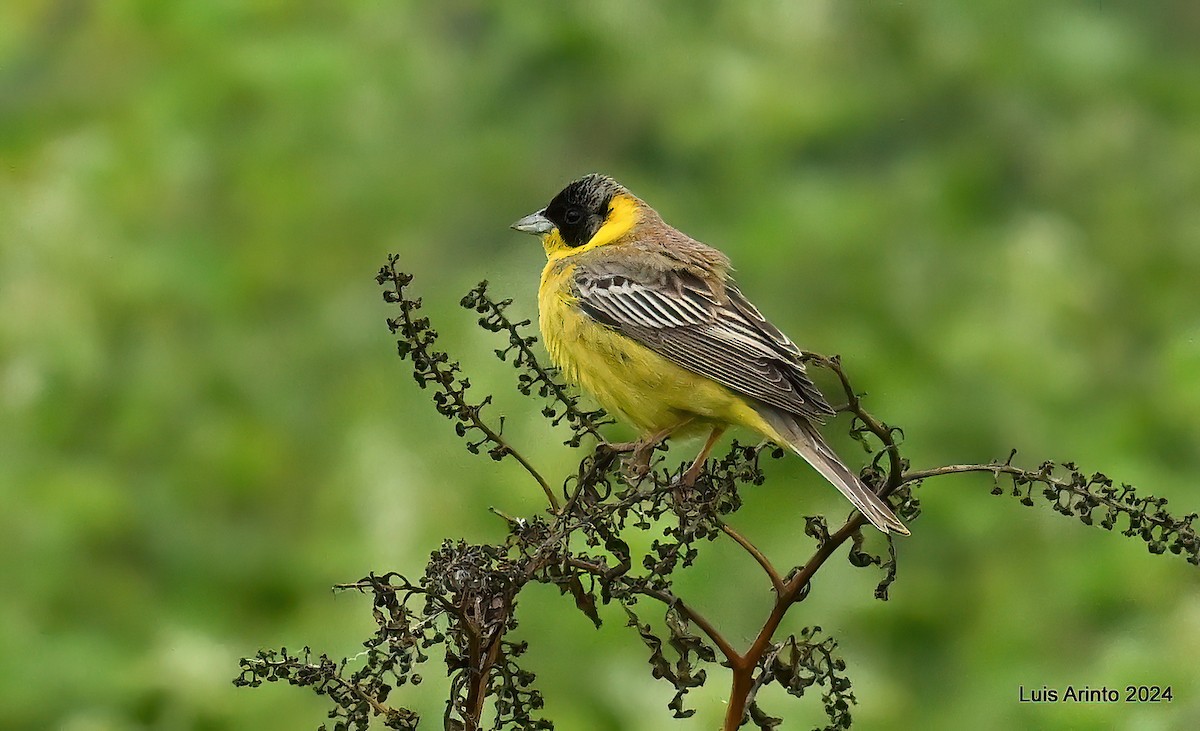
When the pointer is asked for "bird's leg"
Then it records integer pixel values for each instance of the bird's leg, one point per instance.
(689, 477)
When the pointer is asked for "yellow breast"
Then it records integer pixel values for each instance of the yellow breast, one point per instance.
(628, 379)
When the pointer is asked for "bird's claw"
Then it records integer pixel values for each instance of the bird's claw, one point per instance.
(636, 471)
(618, 447)
(637, 464)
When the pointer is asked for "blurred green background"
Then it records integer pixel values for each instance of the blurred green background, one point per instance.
(991, 209)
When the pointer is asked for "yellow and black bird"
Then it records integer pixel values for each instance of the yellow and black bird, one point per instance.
(647, 320)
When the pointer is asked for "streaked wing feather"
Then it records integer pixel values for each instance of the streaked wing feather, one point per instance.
(750, 312)
(719, 336)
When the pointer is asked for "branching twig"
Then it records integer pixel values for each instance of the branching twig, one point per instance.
(1080, 495)
(466, 600)
(763, 561)
(533, 375)
(433, 366)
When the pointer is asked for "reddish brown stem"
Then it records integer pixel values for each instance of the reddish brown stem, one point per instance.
(739, 693)
(475, 694)
(702, 622)
(759, 556)
(481, 670)
(793, 591)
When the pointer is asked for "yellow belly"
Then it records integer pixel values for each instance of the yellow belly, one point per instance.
(628, 379)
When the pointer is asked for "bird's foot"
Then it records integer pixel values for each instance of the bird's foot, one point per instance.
(635, 472)
(618, 447)
(688, 479)
(637, 465)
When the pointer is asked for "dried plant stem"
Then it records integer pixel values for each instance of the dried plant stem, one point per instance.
(483, 659)
(875, 426)
(433, 366)
(995, 468)
(759, 556)
(370, 700)
(496, 319)
(679, 605)
(541, 481)
(796, 587)
(466, 600)
(794, 591)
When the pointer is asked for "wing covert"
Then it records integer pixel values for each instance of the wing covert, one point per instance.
(719, 335)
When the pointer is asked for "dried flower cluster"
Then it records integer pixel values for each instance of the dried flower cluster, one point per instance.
(465, 603)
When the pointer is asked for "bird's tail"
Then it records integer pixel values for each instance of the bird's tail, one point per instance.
(806, 441)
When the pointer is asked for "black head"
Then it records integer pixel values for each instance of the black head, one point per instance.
(581, 208)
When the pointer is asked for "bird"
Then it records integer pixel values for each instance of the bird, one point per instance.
(650, 322)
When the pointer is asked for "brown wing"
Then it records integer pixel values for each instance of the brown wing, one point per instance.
(717, 334)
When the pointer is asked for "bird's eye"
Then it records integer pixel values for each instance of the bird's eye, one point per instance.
(573, 216)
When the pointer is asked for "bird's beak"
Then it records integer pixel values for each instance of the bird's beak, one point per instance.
(534, 223)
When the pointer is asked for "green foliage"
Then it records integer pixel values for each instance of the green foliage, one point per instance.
(988, 208)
